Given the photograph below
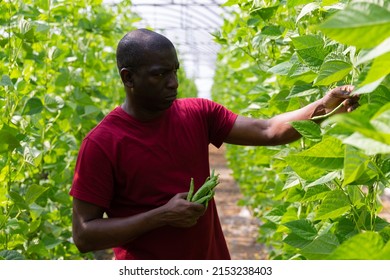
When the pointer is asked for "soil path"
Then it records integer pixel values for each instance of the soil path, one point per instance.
(239, 227)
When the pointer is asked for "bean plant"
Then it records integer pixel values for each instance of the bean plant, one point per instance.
(318, 197)
(58, 78)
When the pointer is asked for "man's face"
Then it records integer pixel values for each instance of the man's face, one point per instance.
(155, 82)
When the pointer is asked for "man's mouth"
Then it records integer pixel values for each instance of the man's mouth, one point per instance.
(171, 97)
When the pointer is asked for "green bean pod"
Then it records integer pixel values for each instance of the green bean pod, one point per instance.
(205, 199)
(204, 190)
(191, 191)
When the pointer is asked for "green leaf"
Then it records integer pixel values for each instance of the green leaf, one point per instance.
(369, 145)
(316, 193)
(381, 119)
(324, 179)
(357, 121)
(385, 253)
(313, 57)
(294, 194)
(17, 226)
(332, 71)
(3, 197)
(34, 225)
(50, 242)
(6, 81)
(335, 204)
(379, 50)
(302, 228)
(300, 73)
(355, 164)
(292, 181)
(363, 246)
(293, 3)
(281, 69)
(35, 211)
(379, 69)
(307, 42)
(53, 103)
(33, 192)
(302, 90)
(296, 241)
(321, 247)
(91, 110)
(265, 13)
(308, 129)
(330, 2)
(271, 31)
(380, 97)
(33, 106)
(11, 255)
(24, 26)
(369, 87)
(8, 140)
(307, 10)
(18, 199)
(276, 214)
(346, 228)
(360, 24)
(38, 248)
(32, 155)
(312, 163)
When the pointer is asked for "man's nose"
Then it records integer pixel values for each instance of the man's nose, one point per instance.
(173, 81)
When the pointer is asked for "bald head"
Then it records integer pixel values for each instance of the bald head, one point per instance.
(133, 47)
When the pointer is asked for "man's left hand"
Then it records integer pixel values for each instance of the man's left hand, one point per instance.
(342, 94)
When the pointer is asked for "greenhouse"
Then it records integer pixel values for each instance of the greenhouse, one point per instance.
(311, 183)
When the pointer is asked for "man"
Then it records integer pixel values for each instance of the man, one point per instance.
(136, 165)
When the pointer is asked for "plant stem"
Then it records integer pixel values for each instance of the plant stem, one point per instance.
(371, 204)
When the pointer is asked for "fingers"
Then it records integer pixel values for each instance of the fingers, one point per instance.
(353, 107)
(347, 89)
(182, 195)
(187, 218)
(343, 91)
(182, 213)
(351, 103)
(198, 208)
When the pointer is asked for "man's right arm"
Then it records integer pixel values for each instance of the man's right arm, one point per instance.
(93, 232)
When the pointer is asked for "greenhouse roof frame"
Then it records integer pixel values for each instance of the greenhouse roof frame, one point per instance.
(189, 24)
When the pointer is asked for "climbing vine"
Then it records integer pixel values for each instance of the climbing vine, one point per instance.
(319, 197)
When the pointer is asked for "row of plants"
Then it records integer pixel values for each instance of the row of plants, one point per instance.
(58, 79)
(319, 197)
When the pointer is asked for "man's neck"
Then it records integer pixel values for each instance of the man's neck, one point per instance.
(139, 114)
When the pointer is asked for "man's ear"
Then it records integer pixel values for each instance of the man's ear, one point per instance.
(127, 77)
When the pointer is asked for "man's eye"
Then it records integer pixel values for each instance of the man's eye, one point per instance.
(165, 73)
(160, 74)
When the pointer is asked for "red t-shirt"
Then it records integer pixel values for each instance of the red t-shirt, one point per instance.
(129, 167)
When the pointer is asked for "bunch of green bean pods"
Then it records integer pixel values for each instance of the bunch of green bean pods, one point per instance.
(206, 192)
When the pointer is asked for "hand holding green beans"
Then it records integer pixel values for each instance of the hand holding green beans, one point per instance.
(206, 192)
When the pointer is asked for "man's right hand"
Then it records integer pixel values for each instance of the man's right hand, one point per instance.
(93, 232)
(178, 212)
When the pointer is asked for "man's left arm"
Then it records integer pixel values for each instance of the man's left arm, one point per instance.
(277, 130)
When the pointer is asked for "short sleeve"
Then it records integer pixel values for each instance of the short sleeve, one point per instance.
(93, 178)
(220, 120)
